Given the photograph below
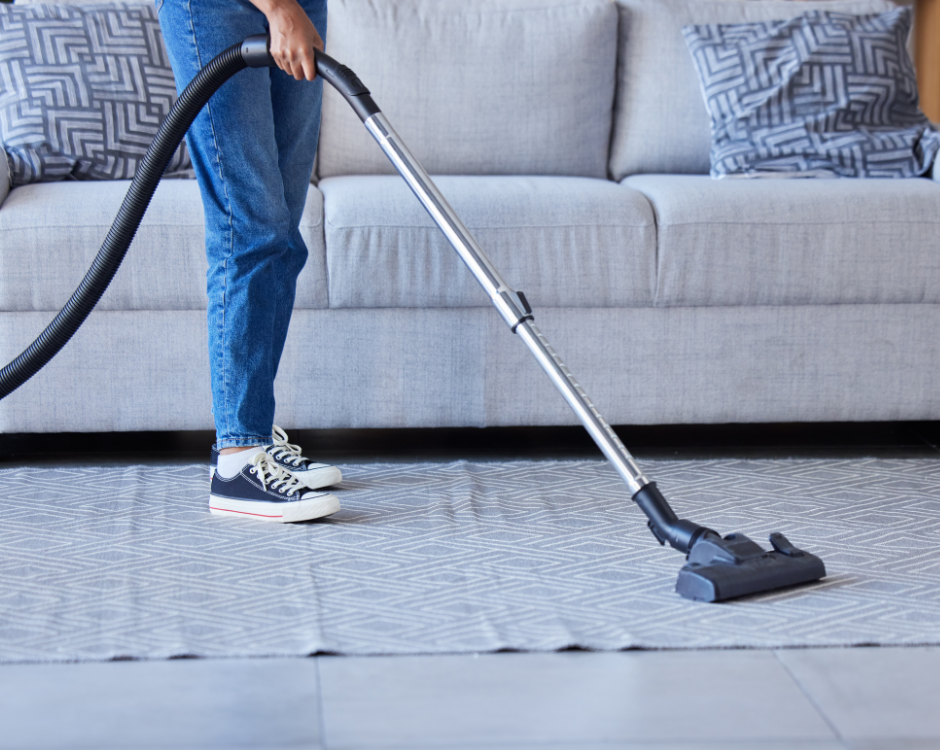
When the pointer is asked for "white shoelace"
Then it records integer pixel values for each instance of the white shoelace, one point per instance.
(269, 472)
(284, 451)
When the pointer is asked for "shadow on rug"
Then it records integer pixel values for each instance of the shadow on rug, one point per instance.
(102, 563)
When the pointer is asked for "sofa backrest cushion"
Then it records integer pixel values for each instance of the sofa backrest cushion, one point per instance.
(83, 90)
(840, 98)
(482, 87)
(660, 121)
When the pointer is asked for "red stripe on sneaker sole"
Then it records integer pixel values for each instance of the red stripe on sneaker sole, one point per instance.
(244, 513)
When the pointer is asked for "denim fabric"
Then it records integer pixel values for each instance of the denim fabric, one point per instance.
(252, 149)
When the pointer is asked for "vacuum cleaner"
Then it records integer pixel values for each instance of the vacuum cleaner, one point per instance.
(717, 569)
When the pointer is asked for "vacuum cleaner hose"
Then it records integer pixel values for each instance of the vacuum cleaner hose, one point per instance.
(252, 52)
(122, 231)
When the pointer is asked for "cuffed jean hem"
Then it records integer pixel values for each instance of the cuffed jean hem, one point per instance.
(242, 442)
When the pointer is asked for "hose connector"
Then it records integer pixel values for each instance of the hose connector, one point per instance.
(256, 51)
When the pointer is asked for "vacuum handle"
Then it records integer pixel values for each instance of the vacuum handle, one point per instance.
(256, 52)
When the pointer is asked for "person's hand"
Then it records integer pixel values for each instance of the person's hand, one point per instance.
(293, 37)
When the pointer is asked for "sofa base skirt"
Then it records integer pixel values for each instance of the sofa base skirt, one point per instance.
(461, 367)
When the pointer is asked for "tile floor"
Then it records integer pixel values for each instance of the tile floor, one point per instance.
(801, 699)
(817, 699)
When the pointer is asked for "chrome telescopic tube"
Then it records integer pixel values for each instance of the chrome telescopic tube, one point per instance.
(511, 305)
(578, 400)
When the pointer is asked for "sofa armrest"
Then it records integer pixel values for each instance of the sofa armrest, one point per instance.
(934, 173)
(4, 178)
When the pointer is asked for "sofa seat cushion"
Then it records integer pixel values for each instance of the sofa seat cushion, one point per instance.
(51, 232)
(564, 241)
(482, 87)
(794, 242)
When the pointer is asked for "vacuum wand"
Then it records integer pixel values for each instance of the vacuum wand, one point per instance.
(718, 568)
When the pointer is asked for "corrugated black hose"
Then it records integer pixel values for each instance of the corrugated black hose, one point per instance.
(253, 52)
(146, 178)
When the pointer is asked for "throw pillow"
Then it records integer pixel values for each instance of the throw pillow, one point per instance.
(823, 93)
(83, 90)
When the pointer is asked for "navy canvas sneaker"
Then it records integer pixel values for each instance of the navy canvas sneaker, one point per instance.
(312, 475)
(265, 491)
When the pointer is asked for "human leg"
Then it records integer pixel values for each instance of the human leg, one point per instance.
(248, 223)
(296, 108)
(254, 252)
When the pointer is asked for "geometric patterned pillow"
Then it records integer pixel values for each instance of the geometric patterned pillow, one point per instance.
(83, 90)
(825, 93)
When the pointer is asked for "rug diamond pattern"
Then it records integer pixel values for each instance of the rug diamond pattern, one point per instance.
(103, 563)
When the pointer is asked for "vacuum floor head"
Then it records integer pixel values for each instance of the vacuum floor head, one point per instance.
(725, 568)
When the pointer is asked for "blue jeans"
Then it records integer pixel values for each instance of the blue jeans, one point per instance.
(252, 148)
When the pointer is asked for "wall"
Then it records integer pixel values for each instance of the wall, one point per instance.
(927, 56)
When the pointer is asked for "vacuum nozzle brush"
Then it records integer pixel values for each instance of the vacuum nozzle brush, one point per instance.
(721, 568)
(725, 568)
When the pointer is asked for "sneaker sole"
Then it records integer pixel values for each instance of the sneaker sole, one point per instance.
(301, 510)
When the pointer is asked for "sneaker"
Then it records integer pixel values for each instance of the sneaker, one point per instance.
(265, 491)
(312, 475)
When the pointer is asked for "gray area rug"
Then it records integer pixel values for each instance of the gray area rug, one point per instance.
(102, 563)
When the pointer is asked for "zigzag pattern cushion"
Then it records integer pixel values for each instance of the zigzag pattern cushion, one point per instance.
(824, 93)
(83, 90)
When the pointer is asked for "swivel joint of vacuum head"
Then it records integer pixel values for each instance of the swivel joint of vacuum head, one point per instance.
(663, 521)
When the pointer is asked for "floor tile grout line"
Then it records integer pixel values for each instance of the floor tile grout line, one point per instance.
(707, 744)
(320, 704)
(812, 701)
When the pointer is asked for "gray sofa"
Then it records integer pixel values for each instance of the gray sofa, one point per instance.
(571, 137)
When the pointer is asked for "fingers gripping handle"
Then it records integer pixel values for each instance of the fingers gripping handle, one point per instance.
(256, 54)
